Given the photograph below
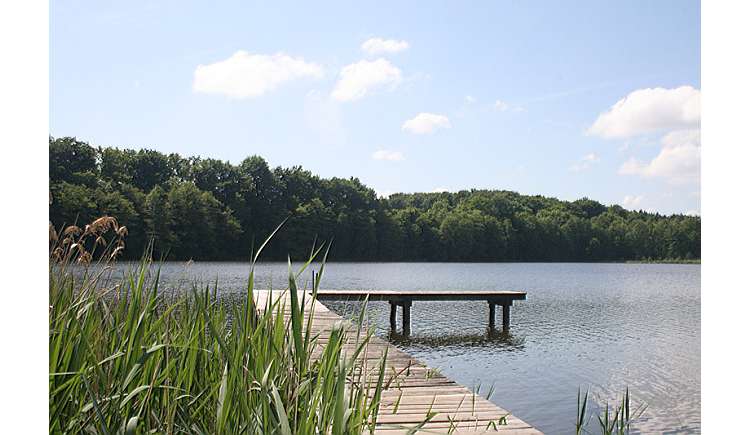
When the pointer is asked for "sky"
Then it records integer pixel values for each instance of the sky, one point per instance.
(565, 99)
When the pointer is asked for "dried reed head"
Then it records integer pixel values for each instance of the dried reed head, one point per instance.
(84, 257)
(72, 230)
(116, 252)
(74, 244)
(102, 225)
(52, 233)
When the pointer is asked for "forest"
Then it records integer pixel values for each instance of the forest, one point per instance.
(207, 209)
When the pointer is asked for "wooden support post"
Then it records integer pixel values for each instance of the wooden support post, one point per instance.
(492, 314)
(506, 316)
(406, 317)
(393, 315)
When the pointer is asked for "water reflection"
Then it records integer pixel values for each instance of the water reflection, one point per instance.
(492, 338)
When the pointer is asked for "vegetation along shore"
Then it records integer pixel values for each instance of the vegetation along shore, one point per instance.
(127, 357)
(207, 209)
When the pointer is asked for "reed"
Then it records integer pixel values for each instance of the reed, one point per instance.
(124, 358)
(611, 420)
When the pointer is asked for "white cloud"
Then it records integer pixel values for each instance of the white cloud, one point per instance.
(469, 99)
(358, 79)
(380, 46)
(585, 162)
(245, 75)
(426, 123)
(501, 105)
(648, 110)
(678, 162)
(632, 201)
(676, 113)
(590, 157)
(395, 156)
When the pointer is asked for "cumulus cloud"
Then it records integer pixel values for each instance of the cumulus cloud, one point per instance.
(678, 162)
(359, 79)
(394, 156)
(632, 201)
(649, 110)
(246, 75)
(501, 105)
(426, 123)
(675, 114)
(585, 162)
(381, 46)
(469, 99)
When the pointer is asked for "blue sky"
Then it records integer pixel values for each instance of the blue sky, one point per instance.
(516, 95)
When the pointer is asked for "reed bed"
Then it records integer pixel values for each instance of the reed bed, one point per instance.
(125, 359)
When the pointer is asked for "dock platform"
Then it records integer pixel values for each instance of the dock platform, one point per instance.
(405, 299)
(412, 389)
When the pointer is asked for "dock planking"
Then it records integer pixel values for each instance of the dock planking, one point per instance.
(411, 388)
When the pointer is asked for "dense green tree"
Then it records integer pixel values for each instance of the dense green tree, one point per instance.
(116, 166)
(160, 220)
(150, 168)
(199, 221)
(204, 208)
(72, 161)
(72, 204)
(113, 203)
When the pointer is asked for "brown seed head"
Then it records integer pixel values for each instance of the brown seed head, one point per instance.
(52, 233)
(72, 231)
(103, 224)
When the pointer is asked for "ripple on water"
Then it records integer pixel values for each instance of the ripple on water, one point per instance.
(603, 326)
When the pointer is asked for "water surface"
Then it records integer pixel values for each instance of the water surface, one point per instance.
(597, 326)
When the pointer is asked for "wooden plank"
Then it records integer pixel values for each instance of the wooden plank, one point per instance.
(411, 389)
(399, 295)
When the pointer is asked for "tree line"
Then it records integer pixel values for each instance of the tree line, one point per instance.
(208, 209)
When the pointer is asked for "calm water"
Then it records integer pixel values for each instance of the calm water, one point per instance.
(598, 326)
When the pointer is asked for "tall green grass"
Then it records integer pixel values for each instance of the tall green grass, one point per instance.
(615, 420)
(123, 358)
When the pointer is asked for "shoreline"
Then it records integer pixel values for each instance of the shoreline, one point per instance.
(329, 261)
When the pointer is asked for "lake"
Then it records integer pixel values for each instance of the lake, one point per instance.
(597, 326)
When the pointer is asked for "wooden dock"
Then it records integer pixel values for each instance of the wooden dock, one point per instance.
(412, 389)
(405, 299)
